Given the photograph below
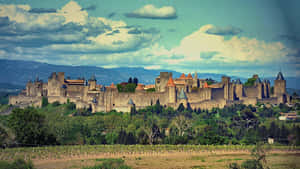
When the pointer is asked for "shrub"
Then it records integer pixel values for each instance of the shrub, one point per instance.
(56, 103)
(233, 166)
(151, 90)
(17, 164)
(252, 164)
(45, 101)
(71, 106)
(110, 163)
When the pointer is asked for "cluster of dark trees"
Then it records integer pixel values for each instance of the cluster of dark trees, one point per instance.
(128, 87)
(157, 124)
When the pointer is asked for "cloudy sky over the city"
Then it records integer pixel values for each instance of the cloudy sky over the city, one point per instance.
(233, 37)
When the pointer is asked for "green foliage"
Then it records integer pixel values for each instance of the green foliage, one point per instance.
(150, 90)
(110, 163)
(130, 87)
(251, 164)
(250, 82)
(71, 106)
(259, 157)
(180, 108)
(3, 136)
(16, 164)
(56, 103)
(44, 101)
(29, 127)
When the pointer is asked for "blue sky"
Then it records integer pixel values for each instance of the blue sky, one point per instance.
(232, 37)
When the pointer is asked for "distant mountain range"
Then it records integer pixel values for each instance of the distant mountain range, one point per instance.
(16, 73)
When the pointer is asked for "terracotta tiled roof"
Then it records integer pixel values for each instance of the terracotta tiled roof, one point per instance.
(178, 82)
(171, 82)
(182, 76)
(190, 76)
(205, 85)
(149, 86)
(69, 81)
(140, 87)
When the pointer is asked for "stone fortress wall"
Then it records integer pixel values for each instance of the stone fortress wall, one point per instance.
(170, 92)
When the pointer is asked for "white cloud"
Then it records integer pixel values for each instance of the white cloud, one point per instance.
(236, 49)
(73, 13)
(151, 12)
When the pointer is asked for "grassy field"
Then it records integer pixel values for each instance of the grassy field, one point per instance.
(147, 156)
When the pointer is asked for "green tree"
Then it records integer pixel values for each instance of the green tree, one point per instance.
(135, 81)
(45, 101)
(250, 82)
(29, 127)
(180, 108)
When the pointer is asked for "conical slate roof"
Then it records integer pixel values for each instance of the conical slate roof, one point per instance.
(182, 95)
(279, 76)
(130, 102)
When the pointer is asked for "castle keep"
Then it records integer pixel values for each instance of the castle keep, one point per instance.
(188, 90)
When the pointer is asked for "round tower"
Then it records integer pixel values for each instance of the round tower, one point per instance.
(171, 90)
(279, 85)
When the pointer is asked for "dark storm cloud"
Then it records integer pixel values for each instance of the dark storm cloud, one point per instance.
(133, 15)
(42, 10)
(152, 12)
(223, 31)
(110, 15)
(148, 31)
(134, 31)
(4, 21)
(292, 38)
(89, 8)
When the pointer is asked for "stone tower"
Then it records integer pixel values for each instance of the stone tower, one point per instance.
(61, 77)
(226, 83)
(92, 83)
(279, 85)
(171, 91)
(195, 80)
(259, 86)
(161, 81)
(239, 89)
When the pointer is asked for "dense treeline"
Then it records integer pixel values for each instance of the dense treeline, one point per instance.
(64, 125)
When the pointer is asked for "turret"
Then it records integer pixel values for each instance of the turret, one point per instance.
(92, 83)
(259, 86)
(171, 90)
(239, 89)
(279, 85)
(195, 80)
(61, 77)
(225, 81)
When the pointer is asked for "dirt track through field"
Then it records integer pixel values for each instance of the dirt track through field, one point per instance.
(176, 159)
